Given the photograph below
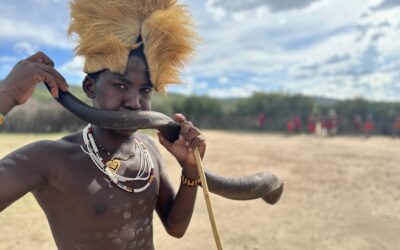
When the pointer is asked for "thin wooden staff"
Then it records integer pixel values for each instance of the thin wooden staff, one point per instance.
(207, 198)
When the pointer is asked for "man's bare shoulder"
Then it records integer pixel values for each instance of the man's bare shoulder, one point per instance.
(50, 148)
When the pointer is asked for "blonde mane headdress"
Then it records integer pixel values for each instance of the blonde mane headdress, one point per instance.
(109, 31)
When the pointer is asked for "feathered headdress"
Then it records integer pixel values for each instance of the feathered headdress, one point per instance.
(109, 31)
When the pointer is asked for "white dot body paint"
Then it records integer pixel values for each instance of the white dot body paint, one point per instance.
(132, 245)
(146, 221)
(140, 243)
(139, 231)
(8, 162)
(147, 229)
(127, 232)
(79, 247)
(141, 202)
(111, 196)
(94, 187)
(117, 241)
(98, 236)
(113, 233)
(127, 215)
(22, 157)
(116, 209)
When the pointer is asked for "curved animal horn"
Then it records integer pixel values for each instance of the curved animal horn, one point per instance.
(261, 185)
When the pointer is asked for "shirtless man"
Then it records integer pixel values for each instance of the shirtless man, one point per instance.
(84, 208)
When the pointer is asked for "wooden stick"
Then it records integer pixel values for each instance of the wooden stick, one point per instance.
(207, 198)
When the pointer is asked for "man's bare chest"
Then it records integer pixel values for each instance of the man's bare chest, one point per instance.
(80, 186)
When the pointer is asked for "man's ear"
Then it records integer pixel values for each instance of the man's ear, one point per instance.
(89, 87)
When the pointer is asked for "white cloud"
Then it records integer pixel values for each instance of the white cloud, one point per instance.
(273, 5)
(73, 67)
(223, 80)
(39, 22)
(243, 91)
(8, 59)
(25, 48)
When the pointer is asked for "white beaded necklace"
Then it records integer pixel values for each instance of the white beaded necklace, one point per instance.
(109, 168)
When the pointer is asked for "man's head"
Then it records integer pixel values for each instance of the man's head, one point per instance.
(109, 30)
(130, 91)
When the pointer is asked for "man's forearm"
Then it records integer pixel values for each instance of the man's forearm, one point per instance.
(182, 210)
(6, 101)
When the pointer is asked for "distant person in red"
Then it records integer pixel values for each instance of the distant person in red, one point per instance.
(396, 126)
(357, 123)
(331, 123)
(297, 123)
(290, 126)
(261, 120)
(369, 126)
(311, 124)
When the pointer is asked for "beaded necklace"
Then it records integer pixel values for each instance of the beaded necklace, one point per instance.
(109, 168)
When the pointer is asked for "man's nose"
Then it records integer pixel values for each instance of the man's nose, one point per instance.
(132, 101)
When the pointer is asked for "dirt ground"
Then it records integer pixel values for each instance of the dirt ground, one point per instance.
(340, 193)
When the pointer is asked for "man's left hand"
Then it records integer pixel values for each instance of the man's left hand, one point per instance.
(190, 137)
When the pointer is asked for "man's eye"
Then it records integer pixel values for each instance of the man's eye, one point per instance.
(146, 90)
(120, 86)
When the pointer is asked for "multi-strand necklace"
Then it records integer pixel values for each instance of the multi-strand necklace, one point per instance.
(109, 168)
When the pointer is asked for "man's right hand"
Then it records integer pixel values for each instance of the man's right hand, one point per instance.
(20, 83)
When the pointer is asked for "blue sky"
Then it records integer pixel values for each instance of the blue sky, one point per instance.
(331, 48)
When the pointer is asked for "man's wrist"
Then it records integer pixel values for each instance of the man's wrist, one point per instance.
(191, 172)
(190, 182)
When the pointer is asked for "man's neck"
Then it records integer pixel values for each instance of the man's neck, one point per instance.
(111, 140)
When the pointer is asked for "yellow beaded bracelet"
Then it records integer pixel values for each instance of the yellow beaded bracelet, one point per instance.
(2, 118)
(189, 182)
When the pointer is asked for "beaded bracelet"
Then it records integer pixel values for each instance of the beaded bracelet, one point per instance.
(190, 182)
(2, 118)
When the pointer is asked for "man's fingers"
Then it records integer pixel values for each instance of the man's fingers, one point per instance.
(51, 82)
(198, 141)
(180, 118)
(41, 57)
(186, 127)
(60, 80)
(193, 133)
(48, 79)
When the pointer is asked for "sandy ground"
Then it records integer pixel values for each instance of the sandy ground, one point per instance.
(340, 193)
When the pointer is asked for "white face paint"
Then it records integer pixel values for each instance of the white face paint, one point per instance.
(94, 187)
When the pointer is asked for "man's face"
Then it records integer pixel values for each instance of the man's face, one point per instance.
(130, 91)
